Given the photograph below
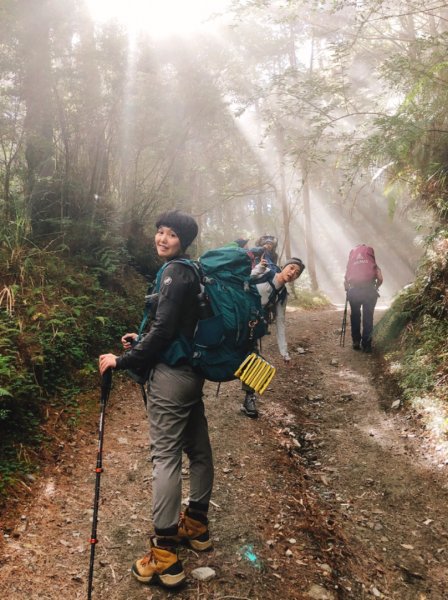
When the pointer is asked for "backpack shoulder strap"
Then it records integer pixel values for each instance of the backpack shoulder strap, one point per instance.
(277, 294)
(153, 288)
(192, 264)
(150, 299)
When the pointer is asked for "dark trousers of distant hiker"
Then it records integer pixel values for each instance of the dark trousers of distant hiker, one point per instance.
(362, 301)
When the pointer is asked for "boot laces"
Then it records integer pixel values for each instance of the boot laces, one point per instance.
(149, 558)
(183, 523)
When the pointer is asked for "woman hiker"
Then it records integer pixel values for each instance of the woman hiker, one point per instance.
(271, 286)
(175, 410)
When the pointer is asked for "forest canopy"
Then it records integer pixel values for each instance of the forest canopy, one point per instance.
(280, 107)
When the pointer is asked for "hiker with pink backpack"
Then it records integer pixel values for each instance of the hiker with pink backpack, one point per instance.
(362, 279)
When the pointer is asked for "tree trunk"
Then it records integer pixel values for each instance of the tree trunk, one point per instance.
(37, 92)
(286, 217)
(285, 211)
(310, 256)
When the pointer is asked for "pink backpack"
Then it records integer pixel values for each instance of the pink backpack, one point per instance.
(361, 266)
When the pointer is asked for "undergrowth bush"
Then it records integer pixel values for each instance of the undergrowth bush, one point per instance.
(56, 317)
(413, 334)
(302, 296)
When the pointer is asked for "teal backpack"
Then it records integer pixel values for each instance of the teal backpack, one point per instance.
(231, 316)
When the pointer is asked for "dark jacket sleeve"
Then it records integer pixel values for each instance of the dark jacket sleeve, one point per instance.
(176, 289)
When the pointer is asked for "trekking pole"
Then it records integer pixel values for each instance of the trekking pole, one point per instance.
(144, 395)
(105, 391)
(344, 324)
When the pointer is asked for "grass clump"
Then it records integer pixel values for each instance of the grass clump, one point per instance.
(301, 296)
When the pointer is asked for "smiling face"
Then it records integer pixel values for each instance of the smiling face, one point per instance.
(167, 243)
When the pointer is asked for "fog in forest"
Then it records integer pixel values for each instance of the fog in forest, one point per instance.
(278, 117)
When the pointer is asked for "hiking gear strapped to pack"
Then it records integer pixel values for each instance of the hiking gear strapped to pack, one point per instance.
(106, 384)
(256, 372)
(361, 266)
(231, 317)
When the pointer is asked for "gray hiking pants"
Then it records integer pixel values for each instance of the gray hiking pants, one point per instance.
(177, 423)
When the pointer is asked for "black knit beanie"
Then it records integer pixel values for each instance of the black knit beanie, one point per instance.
(181, 223)
(295, 261)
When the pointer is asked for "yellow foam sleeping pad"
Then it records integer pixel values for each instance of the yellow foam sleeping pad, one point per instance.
(256, 372)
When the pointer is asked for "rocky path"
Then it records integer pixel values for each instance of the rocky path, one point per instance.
(331, 494)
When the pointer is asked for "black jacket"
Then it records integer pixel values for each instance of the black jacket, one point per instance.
(176, 313)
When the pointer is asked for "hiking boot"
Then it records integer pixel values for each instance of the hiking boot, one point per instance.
(356, 346)
(193, 530)
(367, 349)
(249, 407)
(160, 565)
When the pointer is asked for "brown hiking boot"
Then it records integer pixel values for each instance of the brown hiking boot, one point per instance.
(160, 565)
(194, 531)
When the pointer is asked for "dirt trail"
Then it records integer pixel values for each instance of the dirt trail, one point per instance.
(331, 494)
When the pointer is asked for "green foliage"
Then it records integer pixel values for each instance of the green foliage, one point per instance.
(412, 138)
(414, 332)
(14, 465)
(57, 319)
(308, 300)
(424, 363)
(392, 325)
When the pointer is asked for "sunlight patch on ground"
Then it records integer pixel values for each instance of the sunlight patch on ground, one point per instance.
(293, 309)
(395, 368)
(435, 419)
(50, 488)
(348, 374)
(435, 415)
(340, 307)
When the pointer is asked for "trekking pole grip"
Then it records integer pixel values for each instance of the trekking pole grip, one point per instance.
(106, 383)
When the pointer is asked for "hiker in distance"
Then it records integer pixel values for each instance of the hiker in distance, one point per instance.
(272, 288)
(268, 245)
(175, 409)
(362, 279)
